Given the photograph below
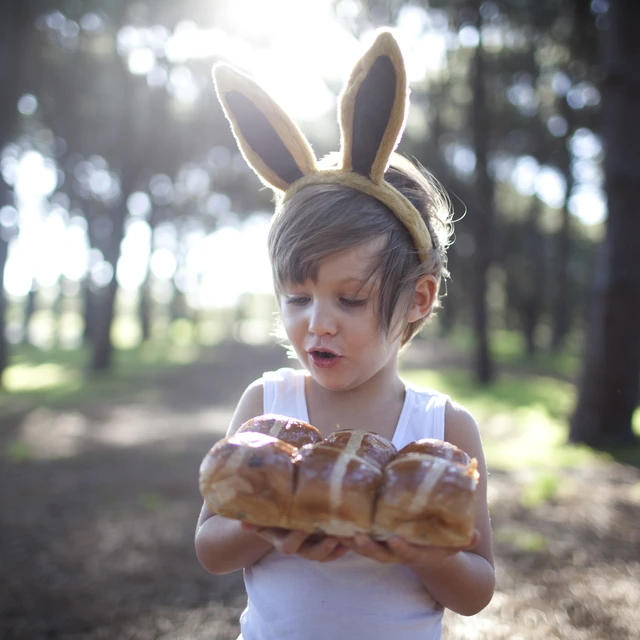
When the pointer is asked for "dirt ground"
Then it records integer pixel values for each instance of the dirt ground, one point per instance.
(97, 528)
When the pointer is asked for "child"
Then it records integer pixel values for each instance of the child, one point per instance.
(358, 251)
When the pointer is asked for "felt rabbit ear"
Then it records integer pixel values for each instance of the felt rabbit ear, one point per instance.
(373, 108)
(271, 143)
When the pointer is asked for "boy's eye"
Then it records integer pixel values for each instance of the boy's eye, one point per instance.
(352, 302)
(297, 299)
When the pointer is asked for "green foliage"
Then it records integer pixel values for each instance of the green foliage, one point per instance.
(508, 348)
(58, 377)
(522, 539)
(544, 488)
(522, 418)
(17, 452)
(151, 501)
(182, 331)
(546, 395)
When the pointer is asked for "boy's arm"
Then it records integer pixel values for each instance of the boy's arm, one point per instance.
(222, 545)
(465, 581)
(462, 580)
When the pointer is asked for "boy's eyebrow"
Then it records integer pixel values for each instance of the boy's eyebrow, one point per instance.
(361, 282)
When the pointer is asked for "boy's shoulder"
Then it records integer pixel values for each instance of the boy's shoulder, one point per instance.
(453, 409)
(426, 394)
(458, 413)
(249, 406)
(256, 388)
(461, 428)
(459, 425)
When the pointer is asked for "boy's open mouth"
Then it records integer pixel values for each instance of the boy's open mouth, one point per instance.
(323, 358)
(324, 354)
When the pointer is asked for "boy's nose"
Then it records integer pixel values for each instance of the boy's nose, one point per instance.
(321, 321)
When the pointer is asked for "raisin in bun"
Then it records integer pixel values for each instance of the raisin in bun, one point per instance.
(294, 432)
(427, 500)
(370, 446)
(335, 491)
(438, 448)
(249, 477)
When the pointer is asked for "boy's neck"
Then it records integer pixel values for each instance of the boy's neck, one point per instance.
(373, 406)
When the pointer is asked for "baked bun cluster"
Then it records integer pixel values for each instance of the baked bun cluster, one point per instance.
(276, 471)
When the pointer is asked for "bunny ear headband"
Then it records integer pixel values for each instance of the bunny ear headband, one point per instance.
(372, 111)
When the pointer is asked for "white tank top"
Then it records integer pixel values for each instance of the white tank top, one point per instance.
(354, 598)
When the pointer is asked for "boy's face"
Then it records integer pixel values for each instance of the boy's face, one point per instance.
(332, 325)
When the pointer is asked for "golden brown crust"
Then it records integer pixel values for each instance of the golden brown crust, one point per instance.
(249, 477)
(294, 432)
(427, 500)
(438, 448)
(366, 444)
(335, 491)
(345, 484)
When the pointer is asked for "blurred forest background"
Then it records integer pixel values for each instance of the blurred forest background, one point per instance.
(133, 238)
(127, 212)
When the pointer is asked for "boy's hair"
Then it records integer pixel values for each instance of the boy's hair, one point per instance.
(323, 220)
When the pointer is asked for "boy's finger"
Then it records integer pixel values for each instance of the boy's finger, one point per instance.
(291, 542)
(338, 552)
(367, 547)
(321, 550)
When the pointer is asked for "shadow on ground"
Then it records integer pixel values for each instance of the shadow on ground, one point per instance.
(97, 532)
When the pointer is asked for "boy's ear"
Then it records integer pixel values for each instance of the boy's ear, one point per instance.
(271, 143)
(373, 108)
(423, 297)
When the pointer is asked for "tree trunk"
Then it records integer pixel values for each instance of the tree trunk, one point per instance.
(608, 391)
(584, 42)
(131, 153)
(104, 302)
(29, 310)
(144, 308)
(6, 196)
(561, 301)
(88, 309)
(483, 217)
(15, 24)
(4, 250)
(101, 340)
(533, 295)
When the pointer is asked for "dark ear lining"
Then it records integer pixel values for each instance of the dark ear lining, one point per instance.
(262, 137)
(371, 113)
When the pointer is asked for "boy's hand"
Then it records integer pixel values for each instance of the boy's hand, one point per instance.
(309, 546)
(398, 550)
